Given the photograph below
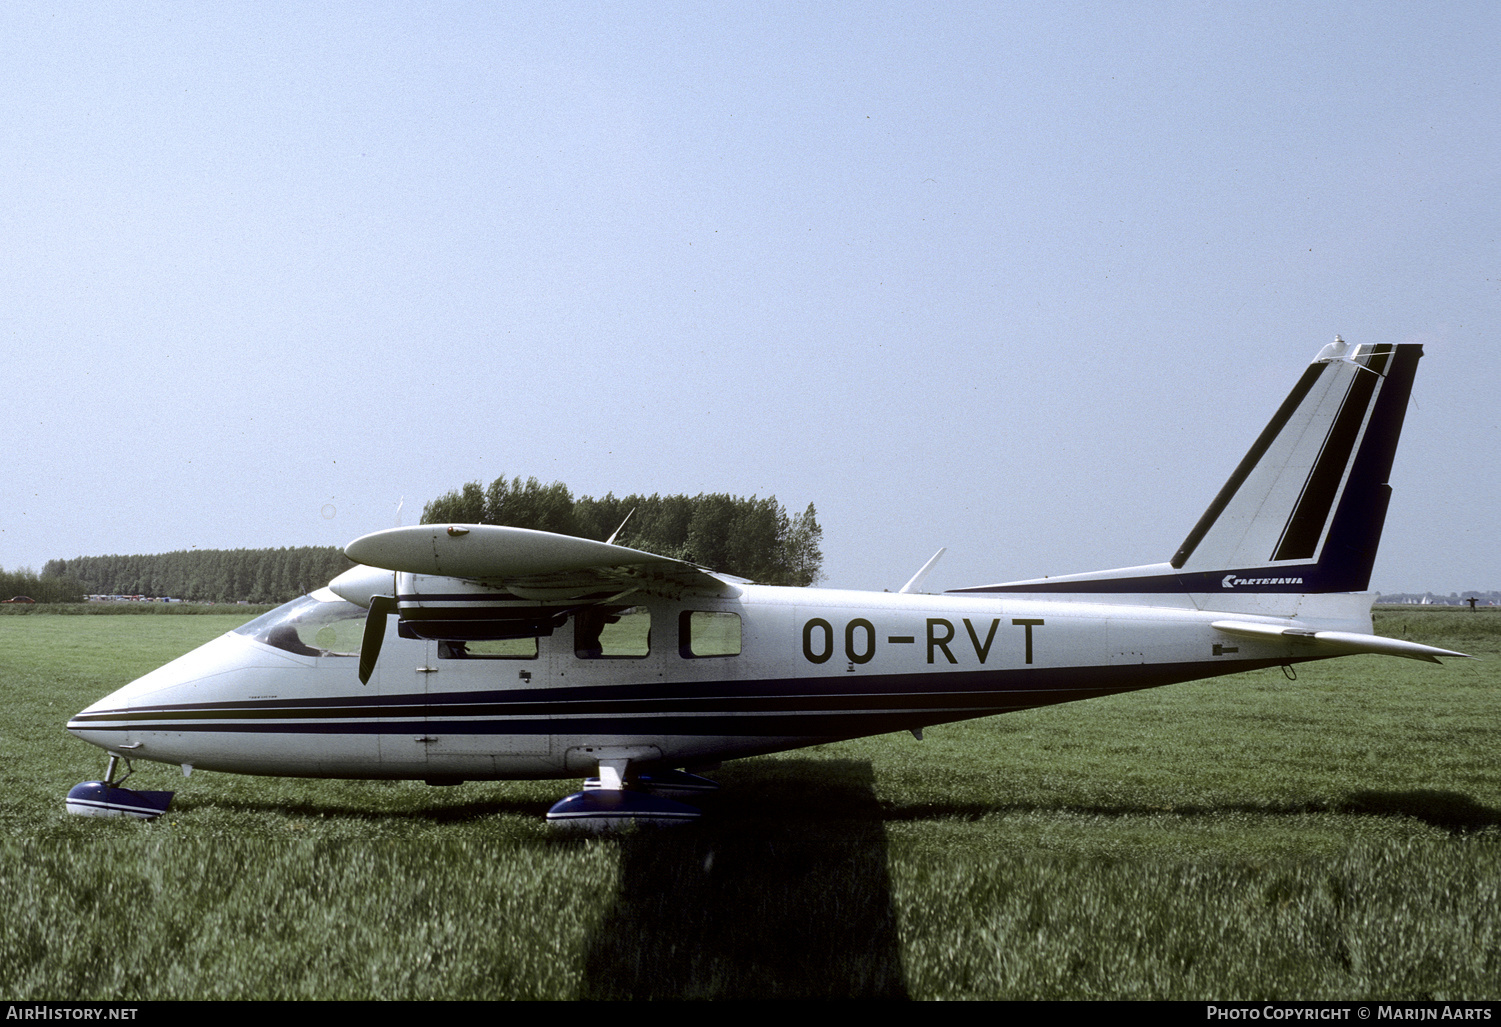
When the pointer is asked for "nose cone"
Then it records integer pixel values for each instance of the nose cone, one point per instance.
(158, 699)
(109, 723)
(106, 723)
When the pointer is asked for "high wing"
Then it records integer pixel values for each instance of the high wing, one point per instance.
(529, 564)
(486, 581)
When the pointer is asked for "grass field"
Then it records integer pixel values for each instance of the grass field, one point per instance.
(1251, 837)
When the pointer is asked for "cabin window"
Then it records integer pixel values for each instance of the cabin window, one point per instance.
(704, 633)
(320, 624)
(488, 649)
(612, 632)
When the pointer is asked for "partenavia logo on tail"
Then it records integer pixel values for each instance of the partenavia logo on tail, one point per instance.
(1231, 581)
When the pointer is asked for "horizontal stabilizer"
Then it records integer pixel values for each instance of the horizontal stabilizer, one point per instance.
(1336, 643)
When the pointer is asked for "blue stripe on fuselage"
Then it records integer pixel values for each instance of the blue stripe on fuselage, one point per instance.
(791, 706)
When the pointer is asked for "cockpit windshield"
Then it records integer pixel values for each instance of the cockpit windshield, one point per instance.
(320, 624)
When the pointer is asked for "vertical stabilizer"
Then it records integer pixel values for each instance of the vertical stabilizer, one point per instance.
(1303, 511)
(1309, 499)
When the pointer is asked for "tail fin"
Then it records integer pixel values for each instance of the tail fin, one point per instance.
(1309, 499)
(1303, 511)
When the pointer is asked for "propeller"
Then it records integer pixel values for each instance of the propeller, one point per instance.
(381, 607)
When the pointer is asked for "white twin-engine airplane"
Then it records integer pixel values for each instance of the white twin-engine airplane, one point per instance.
(524, 654)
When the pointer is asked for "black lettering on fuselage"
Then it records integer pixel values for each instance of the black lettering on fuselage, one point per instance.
(860, 639)
(828, 640)
(849, 640)
(981, 651)
(1028, 624)
(935, 642)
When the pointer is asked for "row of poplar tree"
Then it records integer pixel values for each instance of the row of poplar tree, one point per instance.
(206, 575)
(753, 538)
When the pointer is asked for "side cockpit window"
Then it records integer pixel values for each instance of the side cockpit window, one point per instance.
(612, 632)
(704, 633)
(320, 624)
(489, 649)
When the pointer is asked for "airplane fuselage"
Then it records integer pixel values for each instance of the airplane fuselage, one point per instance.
(679, 683)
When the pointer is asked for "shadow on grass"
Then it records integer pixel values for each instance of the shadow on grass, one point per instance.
(1449, 811)
(780, 892)
(371, 810)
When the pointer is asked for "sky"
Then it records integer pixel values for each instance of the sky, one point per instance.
(1023, 280)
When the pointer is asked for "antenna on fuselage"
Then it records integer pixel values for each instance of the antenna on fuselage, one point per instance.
(611, 540)
(917, 578)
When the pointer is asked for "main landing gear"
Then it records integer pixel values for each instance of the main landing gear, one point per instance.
(613, 800)
(107, 799)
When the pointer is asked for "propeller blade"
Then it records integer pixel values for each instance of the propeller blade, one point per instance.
(375, 633)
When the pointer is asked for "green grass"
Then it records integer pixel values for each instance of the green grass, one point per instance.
(1338, 836)
(243, 611)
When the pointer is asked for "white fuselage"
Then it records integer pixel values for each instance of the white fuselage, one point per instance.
(812, 665)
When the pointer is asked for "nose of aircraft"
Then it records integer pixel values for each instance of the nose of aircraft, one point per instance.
(113, 721)
(118, 724)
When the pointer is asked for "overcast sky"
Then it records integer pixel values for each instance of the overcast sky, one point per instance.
(1020, 279)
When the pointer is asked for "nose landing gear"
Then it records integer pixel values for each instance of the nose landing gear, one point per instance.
(107, 799)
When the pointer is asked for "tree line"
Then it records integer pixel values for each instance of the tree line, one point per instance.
(205, 575)
(753, 538)
(40, 588)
